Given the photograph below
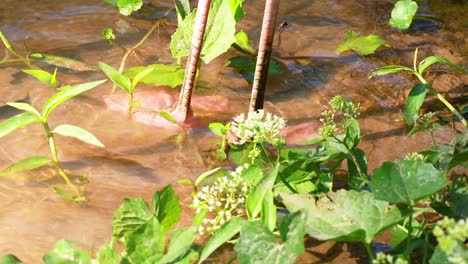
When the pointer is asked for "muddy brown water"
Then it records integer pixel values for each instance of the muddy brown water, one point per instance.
(138, 159)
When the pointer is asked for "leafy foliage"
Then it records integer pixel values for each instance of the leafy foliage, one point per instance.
(403, 13)
(361, 45)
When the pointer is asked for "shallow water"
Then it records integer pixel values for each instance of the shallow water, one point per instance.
(138, 160)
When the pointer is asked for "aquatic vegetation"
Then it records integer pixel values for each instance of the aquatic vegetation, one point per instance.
(362, 45)
(403, 13)
(31, 116)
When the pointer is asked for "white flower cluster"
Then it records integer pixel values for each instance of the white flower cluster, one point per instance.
(452, 237)
(224, 198)
(382, 258)
(258, 128)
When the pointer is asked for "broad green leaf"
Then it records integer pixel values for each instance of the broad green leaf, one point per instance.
(10, 259)
(180, 243)
(66, 252)
(353, 134)
(236, 7)
(25, 164)
(182, 9)
(242, 42)
(345, 215)
(434, 59)
(126, 7)
(78, 133)
(256, 196)
(64, 62)
(146, 244)
(269, 210)
(67, 94)
(403, 13)
(246, 66)
(171, 75)
(226, 232)
(166, 207)
(388, 69)
(132, 214)
(107, 254)
(406, 181)
(204, 175)
(25, 107)
(43, 76)
(17, 121)
(218, 129)
(140, 76)
(361, 45)
(116, 77)
(414, 102)
(257, 244)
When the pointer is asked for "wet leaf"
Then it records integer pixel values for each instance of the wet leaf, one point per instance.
(126, 7)
(25, 164)
(166, 207)
(361, 45)
(78, 133)
(62, 62)
(246, 66)
(180, 243)
(25, 107)
(403, 13)
(66, 252)
(256, 196)
(434, 59)
(345, 216)
(243, 43)
(388, 69)
(204, 175)
(107, 254)
(63, 193)
(17, 121)
(146, 244)
(10, 259)
(162, 75)
(140, 76)
(116, 77)
(406, 181)
(67, 94)
(414, 102)
(226, 232)
(132, 214)
(44, 77)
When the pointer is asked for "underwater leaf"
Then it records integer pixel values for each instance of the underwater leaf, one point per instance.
(17, 121)
(67, 94)
(345, 215)
(180, 243)
(25, 107)
(25, 164)
(131, 214)
(166, 207)
(62, 62)
(256, 196)
(116, 77)
(146, 244)
(140, 76)
(10, 259)
(126, 7)
(171, 75)
(434, 59)
(388, 69)
(107, 254)
(66, 252)
(242, 43)
(406, 181)
(414, 102)
(403, 13)
(44, 77)
(246, 66)
(78, 133)
(361, 45)
(63, 193)
(226, 232)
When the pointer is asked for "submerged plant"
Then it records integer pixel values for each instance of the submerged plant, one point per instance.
(32, 115)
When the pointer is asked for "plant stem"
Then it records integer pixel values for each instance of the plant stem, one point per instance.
(130, 103)
(426, 245)
(369, 250)
(410, 231)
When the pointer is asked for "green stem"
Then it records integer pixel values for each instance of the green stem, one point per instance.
(426, 246)
(369, 250)
(130, 103)
(410, 231)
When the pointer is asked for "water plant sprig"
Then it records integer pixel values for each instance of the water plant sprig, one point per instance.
(32, 115)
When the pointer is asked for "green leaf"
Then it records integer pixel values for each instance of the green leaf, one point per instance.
(345, 215)
(292, 231)
(434, 59)
(166, 207)
(140, 76)
(44, 77)
(218, 129)
(66, 252)
(146, 244)
(112, 2)
(168, 117)
(181, 241)
(182, 9)
(109, 35)
(361, 45)
(116, 77)
(243, 43)
(25, 107)
(226, 232)
(17, 121)
(204, 175)
(25, 164)
(353, 134)
(10, 259)
(132, 214)
(403, 13)
(63, 193)
(78, 133)
(126, 7)
(162, 74)
(67, 94)
(64, 62)
(256, 196)
(406, 181)
(388, 69)
(439, 257)
(246, 66)
(355, 180)
(107, 254)
(414, 102)
(269, 210)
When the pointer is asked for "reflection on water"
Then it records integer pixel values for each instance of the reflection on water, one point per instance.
(137, 159)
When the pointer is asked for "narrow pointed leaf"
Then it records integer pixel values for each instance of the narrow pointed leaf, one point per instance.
(67, 94)
(434, 59)
(162, 75)
(388, 69)
(43, 76)
(62, 62)
(17, 121)
(269, 210)
(182, 9)
(63, 193)
(414, 102)
(25, 107)
(255, 199)
(140, 76)
(10, 259)
(403, 13)
(116, 77)
(168, 117)
(242, 42)
(204, 175)
(25, 164)
(78, 133)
